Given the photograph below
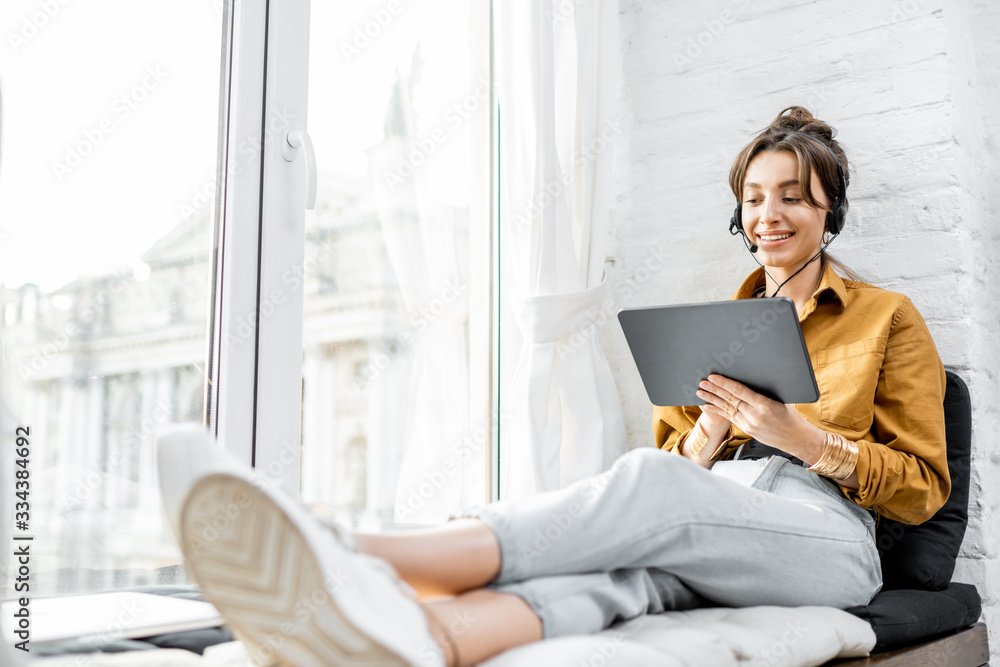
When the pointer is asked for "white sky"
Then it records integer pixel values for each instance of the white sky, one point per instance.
(70, 73)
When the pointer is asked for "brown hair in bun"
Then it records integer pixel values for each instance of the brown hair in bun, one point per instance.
(780, 136)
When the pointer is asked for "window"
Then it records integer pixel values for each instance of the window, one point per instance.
(158, 264)
(395, 366)
(106, 198)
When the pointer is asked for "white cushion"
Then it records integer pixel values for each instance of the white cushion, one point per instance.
(715, 637)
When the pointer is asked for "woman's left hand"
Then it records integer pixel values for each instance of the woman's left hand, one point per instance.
(772, 423)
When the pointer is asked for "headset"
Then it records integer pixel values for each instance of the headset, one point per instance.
(835, 217)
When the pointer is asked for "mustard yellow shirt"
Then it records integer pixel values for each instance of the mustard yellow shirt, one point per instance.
(881, 385)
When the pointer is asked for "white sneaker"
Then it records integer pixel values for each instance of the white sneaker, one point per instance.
(285, 584)
(184, 454)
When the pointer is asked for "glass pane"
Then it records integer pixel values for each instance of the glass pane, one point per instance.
(106, 195)
(393, 430)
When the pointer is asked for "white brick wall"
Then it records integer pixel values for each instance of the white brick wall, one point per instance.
(913, 87)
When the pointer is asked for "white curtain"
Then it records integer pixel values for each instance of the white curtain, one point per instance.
(557, 66)
(426, 242)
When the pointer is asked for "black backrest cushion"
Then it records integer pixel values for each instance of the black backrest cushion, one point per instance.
(900, 618)
(923, 557)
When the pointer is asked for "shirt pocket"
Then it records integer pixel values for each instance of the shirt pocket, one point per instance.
(847, 376)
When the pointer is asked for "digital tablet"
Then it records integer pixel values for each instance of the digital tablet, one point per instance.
(757, 342)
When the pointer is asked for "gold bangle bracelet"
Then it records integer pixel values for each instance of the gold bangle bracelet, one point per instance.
(697, 439)
(839, 459)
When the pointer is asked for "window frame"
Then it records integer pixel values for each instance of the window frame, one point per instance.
(253, 389)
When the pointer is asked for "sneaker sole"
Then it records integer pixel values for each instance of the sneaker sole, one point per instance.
(255, 565)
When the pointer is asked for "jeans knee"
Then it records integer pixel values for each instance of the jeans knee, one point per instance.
(646, 454)
(650, 465)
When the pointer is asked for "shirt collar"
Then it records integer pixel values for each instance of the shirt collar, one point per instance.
(829, 282)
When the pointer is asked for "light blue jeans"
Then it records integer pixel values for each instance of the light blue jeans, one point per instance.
(658, 532)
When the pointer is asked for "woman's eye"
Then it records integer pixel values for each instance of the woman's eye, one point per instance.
(751, 201)
(792, 200)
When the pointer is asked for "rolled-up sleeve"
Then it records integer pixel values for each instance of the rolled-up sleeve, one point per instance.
(904, 473)
(671, 425)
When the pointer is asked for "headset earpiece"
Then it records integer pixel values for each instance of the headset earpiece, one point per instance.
(736, 222)
(838, 210)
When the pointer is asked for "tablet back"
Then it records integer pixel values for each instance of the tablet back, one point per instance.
(755, 341)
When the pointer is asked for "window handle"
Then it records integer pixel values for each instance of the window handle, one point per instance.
(295, 140)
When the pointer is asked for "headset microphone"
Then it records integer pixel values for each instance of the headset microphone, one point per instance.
(737, 228)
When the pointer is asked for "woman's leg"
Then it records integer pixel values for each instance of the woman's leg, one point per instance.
(459, 556)
(733, 544)
(790, 539)
(474, 626)
(583, 604)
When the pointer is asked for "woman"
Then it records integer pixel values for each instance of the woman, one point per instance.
(661, 529)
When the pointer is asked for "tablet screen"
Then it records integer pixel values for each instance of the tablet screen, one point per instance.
(757, 342)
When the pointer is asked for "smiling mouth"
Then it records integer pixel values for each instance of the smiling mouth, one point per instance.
(774, 237)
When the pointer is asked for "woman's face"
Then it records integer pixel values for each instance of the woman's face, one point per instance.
(787, 230)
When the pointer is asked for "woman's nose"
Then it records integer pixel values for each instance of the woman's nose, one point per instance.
(769, 210)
